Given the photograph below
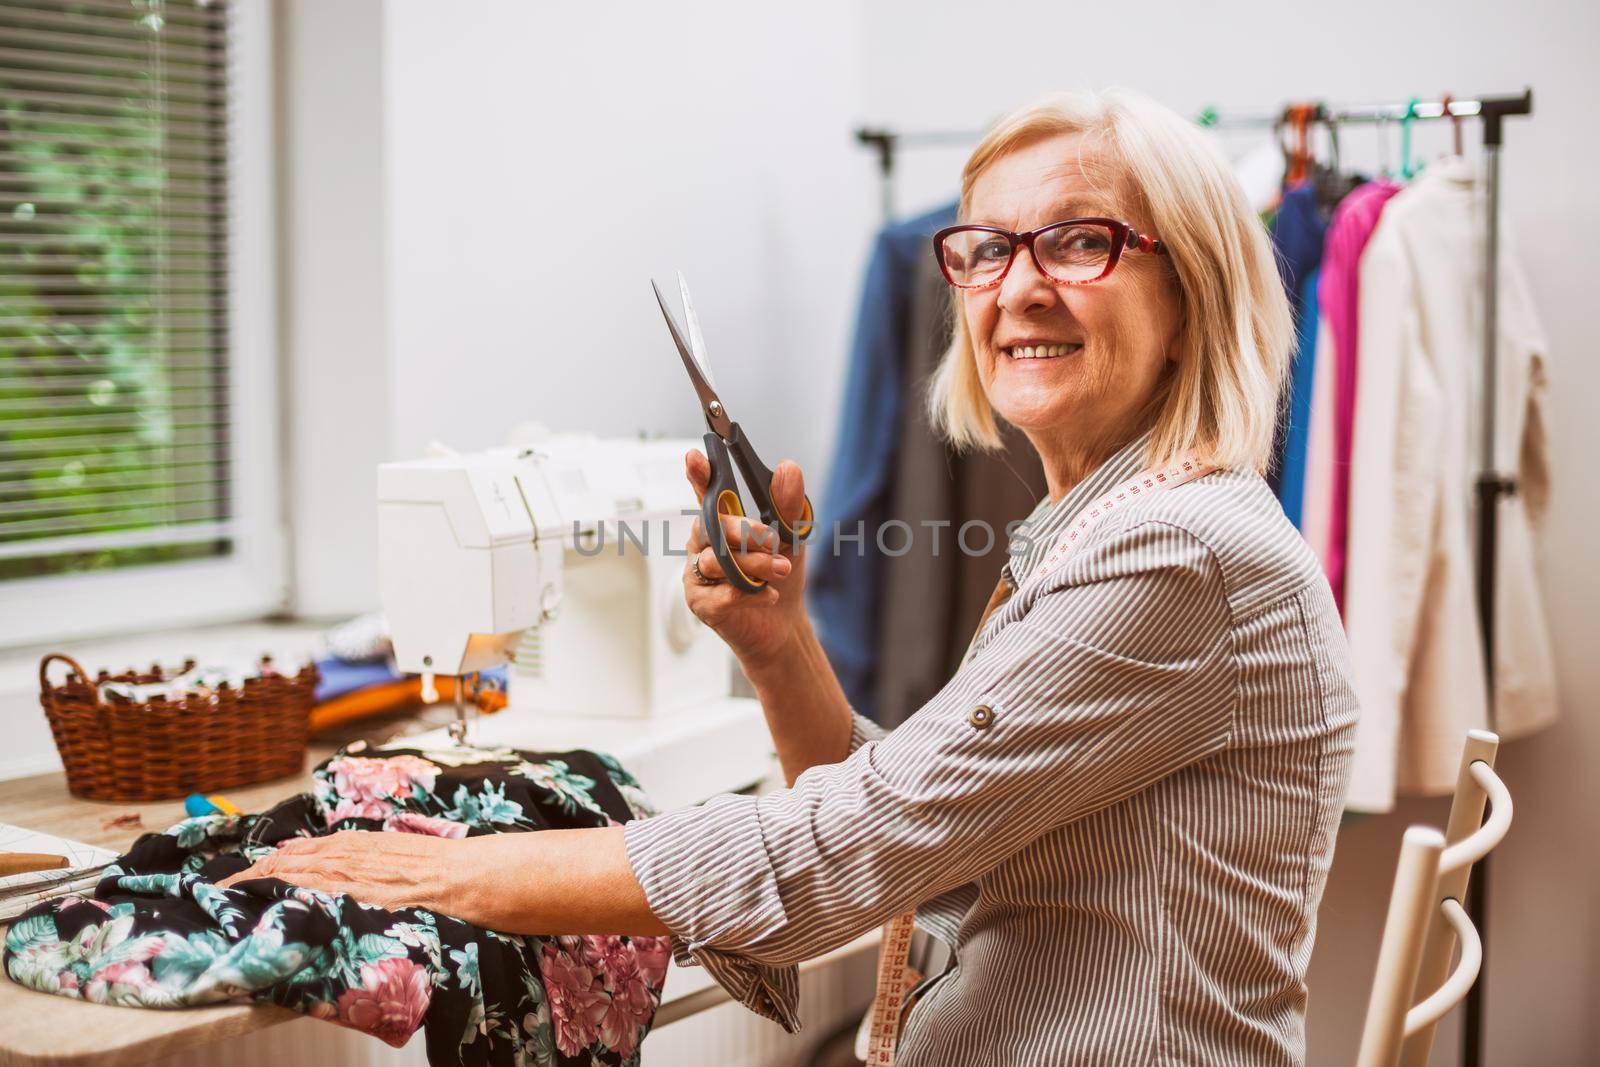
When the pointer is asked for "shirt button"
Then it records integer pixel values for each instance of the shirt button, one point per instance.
(981, 717)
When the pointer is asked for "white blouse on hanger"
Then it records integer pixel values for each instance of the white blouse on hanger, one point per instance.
(1410, 606)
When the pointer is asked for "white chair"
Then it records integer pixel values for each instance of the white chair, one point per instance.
(1426, 917)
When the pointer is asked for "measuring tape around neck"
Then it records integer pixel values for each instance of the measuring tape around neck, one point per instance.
(1184, 469)
(896, 978)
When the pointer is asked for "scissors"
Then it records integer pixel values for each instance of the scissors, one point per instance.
(727, 440)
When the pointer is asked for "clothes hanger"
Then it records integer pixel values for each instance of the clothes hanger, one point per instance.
(1455, 124)
(1332, 183)
(1382, 127)
(1408, 170)
(1296, 155)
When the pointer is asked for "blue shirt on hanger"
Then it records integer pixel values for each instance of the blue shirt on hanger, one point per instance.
(1297, 432)
(1297, 233)
(844, 587)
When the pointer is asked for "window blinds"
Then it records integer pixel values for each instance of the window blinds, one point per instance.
(114, 379)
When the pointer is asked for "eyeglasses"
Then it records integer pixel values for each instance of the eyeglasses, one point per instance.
(1071, 252)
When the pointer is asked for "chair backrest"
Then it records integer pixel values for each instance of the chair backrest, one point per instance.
(1426, 917)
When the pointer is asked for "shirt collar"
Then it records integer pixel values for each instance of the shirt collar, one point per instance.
(1037, 533)
(1453, 170)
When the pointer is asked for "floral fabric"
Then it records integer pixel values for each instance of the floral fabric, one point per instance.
(159, 933)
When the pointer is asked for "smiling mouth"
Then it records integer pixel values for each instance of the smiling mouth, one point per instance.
(1042, 351)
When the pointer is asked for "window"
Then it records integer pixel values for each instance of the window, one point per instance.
(136, 416)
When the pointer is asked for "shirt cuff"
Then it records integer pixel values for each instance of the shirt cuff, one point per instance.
(706, 876)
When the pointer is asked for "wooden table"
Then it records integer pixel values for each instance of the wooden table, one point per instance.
(41, 1029)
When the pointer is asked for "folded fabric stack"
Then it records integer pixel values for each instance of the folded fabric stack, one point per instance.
(359, 679)
(159, 933)
(19, 892)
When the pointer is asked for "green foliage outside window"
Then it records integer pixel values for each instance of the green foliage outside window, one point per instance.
(114, 386)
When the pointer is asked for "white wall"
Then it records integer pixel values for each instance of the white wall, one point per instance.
(546, 160)
(334, 295)
(1545, 941)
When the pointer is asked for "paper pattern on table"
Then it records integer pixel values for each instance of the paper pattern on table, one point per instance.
(82, 885)
(83, 861)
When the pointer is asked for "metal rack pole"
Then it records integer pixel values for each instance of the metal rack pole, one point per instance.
(1363, 114)
(887, 142)
(884, 143)
(1492, 485)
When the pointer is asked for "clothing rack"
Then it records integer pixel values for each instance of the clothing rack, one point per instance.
(888, 142)
(1491, 484)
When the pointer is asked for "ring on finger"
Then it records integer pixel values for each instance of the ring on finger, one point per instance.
(694, 565)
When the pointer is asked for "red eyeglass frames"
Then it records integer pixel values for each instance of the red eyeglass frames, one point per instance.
(1070, 252)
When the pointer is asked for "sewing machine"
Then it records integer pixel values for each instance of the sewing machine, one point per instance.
(563, 558)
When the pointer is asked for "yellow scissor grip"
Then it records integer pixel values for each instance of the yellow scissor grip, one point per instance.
(801, 529)
(728, 503)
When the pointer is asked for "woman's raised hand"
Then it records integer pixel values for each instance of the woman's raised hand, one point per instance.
(755, 625)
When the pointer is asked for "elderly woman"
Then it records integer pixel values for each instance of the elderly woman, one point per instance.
(1121, 810)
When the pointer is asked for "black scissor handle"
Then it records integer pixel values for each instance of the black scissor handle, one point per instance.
(722, 498)
(759, 478)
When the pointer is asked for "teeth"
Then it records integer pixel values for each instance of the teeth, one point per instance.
(1041, 351)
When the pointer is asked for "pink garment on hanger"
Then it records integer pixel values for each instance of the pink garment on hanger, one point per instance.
(1337, 288)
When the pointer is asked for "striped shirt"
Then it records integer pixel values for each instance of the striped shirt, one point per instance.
(1125, 856)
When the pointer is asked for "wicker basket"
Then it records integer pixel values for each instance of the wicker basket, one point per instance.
(123, 750)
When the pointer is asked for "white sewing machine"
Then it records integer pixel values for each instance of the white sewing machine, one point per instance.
(564, 558)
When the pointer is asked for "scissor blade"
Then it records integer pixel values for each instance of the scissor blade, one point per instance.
(710, 405)
(697, 341)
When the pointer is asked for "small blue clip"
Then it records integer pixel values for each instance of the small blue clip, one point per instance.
(197, 805)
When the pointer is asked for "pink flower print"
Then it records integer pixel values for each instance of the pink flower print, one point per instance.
(594, 950)
(116, 981)
(314, 898)
(68, 901)
(390, 1002)
(610, 955)
(619, 1029)
(409, 822)
(360, 809)
(368, 788)
(631, 1000)
(321, 1009)
(654, 953)
(628, 1012)
(578, 1003)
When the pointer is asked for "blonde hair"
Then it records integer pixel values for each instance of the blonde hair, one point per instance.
(1235, 339)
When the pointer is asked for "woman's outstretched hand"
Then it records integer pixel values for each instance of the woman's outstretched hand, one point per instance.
(387, 870)
(551, 882)
(756, 626)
